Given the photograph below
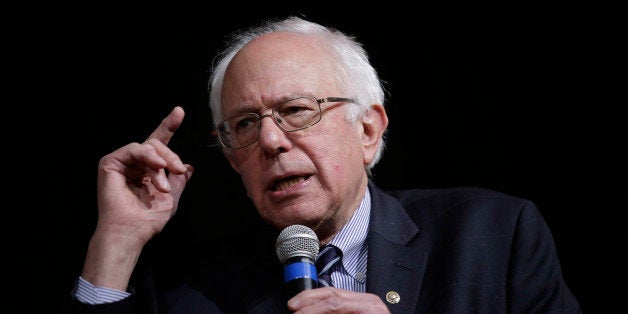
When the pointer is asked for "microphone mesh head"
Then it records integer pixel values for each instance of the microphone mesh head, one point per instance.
(296, 240)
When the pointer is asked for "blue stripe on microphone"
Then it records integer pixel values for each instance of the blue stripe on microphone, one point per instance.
(299, 270)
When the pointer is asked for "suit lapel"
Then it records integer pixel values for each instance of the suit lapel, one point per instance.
(395, 267)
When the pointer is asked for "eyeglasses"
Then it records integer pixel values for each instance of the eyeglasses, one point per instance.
(291, 115)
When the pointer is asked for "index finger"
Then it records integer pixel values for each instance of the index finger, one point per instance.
(168, 125)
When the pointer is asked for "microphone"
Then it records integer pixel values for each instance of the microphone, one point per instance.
(297, 248)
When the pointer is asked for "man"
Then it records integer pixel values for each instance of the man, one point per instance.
(299, 114)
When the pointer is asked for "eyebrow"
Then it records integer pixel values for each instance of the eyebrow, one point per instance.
(256, 108)
(245, 108)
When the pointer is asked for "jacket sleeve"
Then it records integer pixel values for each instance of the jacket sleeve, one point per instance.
(534, 266)
(124, 306)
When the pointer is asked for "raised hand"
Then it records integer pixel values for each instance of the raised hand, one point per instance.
(139, 186)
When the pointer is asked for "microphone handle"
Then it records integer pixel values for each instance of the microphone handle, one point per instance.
(299, 274)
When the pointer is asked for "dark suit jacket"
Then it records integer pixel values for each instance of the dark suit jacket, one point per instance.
(458, 250)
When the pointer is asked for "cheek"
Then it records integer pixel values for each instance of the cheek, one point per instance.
(339, 169)
(345, 154)
(349, 145)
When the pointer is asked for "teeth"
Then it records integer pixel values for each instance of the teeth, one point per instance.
(284, 184)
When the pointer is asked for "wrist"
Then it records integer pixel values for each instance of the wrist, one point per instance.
(111, 258)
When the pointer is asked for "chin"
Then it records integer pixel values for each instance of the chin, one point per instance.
(281, 222)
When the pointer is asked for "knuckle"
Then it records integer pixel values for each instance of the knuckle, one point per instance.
(334, 303)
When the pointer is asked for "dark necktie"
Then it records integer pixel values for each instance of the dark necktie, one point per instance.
(328, 256)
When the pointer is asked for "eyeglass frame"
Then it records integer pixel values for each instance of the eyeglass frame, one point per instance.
(319, 101)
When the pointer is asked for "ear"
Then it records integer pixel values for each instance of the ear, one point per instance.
(374, 124)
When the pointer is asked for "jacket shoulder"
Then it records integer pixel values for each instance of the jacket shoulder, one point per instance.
(425, 204)
(450, 196)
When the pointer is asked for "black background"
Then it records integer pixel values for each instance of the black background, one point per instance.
(477, 101)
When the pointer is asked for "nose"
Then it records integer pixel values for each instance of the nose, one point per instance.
(272, 139)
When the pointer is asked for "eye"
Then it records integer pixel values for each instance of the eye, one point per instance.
(293, 110)
(297, 107)
(244, 122)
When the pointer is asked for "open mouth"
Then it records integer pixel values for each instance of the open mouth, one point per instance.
(286, 183)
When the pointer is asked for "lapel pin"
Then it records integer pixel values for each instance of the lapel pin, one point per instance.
(392, 297)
